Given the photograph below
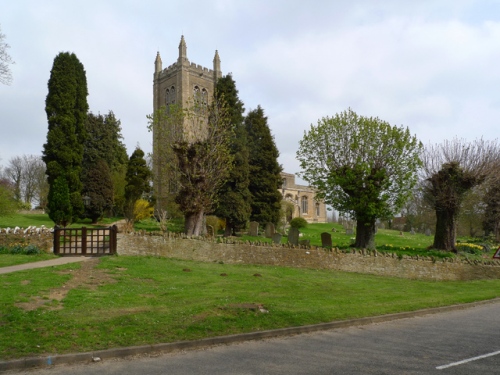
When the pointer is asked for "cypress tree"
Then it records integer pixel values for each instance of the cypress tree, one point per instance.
(99, 188)
(137, 179)
(264, 169)
(104, 143)
(66, 107)
(60, 210)
(234, 197)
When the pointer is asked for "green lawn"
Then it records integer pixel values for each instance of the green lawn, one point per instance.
(7, 260)
(156, 300)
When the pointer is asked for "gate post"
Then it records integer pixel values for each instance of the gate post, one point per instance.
(112, 239)
(57, 241)
(84, 241)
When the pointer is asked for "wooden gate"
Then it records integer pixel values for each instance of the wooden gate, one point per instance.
(85, 241)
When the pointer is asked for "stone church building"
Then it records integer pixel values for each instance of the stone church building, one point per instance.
(181, 82)
(303, 199)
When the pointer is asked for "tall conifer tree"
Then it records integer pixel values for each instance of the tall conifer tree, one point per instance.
(234, 197)
(264, 169)
(66, 107)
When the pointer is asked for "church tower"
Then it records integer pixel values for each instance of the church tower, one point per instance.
(179, 83)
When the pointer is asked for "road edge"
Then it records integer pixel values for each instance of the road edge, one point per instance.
(87, 357)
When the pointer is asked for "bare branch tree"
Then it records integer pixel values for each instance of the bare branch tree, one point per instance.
(5, 61)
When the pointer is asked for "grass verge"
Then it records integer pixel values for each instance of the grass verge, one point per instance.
(150, 300)
(7, 260)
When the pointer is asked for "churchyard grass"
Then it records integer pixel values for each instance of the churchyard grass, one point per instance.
(147, 300)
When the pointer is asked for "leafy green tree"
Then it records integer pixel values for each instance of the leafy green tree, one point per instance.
(99, 188)
(362, 166)
(138, 179)
(66, 107)
(234, 196)
(60, 209)
(264, 169)
(452, 169)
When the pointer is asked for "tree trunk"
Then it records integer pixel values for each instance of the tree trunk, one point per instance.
(365, 234)
(193, 225)
(445, 236)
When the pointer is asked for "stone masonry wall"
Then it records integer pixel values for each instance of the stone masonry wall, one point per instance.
(316, 258)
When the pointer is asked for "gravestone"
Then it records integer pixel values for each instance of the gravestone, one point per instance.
(277, 238)
(293, 236)
(253, 229)
(210, 231)
(427, 232)
(412, 231)
(326, 240)
(349, 231)
(269, 231)
(304, 242)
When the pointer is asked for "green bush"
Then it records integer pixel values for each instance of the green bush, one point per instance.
(298, 222)
(469, 248)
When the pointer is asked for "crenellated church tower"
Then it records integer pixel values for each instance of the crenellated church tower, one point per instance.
(179, 83)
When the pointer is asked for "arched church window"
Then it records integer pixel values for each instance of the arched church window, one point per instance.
(204, 97)
(172, 95)
(304, 205)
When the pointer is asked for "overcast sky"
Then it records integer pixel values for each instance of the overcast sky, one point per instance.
(432, 66)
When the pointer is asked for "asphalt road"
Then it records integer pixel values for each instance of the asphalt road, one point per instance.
(432, 344)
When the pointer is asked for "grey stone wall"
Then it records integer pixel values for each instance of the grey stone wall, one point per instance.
(317, 258)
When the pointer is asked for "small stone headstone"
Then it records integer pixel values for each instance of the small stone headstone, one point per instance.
(349, 231)
(412, 231)
(253, 229)
(269, 231)
(277, 238)
(326, 240)
(427, 232)
(293, 236)
(210, 231)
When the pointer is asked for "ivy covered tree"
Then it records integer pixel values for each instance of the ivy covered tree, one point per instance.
(234, 196)
(362, 166)
(99, 188)
(451, 170)
(491, 220)
(138, 179)
(66, 107)
(264, 168)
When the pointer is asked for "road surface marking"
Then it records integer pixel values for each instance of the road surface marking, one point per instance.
(467, 360)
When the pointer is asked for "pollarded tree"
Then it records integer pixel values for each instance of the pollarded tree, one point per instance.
(451, 170)
(234, 196)
(265, 170)
(66, 107)
(361, 166)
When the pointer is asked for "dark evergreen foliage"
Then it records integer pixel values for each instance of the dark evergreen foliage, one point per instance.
(138, 179)
(104, 142)
(66, 107)
(60, 210)
(99, 188)
(265, 170)
(234, 197)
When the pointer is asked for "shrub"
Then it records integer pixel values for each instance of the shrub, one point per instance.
(31, 250)
(216, 223)
(298, 222)
(142, 210)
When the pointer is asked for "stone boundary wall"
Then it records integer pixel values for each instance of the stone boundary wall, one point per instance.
(237, 252)
(44, 241)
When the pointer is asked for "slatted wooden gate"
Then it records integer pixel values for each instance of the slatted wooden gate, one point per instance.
(85, 241)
